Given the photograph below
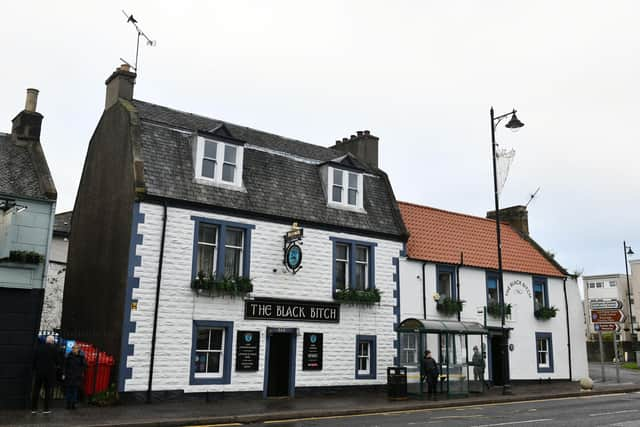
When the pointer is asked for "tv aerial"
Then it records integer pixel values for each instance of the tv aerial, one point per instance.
(134, 22)
(532, 196)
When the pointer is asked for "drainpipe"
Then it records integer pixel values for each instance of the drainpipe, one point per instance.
(155, 312)
(424, 293)
(458, 279)
(566, 308)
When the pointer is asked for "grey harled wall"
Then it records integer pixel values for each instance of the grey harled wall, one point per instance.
(99, 241)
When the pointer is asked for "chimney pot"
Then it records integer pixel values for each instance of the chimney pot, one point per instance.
(32, 100)
(353, 136)
(345, 139)
(366, 132)
(359, 133)
(364, 146)
(125, 67)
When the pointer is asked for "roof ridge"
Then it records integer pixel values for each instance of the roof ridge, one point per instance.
(451, 212)
(298, 141)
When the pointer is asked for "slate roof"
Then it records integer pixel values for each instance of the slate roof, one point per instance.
(440, 236)
(18, 173)
(281, 175)
(62, 224)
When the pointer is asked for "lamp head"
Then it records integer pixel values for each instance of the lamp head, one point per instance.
(630, 251)
(514, 124)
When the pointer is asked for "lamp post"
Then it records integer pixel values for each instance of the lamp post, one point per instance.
(513, 123)
(628, 251)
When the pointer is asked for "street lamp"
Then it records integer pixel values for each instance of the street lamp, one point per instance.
(628, 251)
(513, 124)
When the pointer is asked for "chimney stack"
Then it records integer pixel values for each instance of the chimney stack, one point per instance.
(120, 85)
(516, 216)
(27, 124)
(363, 145)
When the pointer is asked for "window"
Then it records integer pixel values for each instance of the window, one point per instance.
(445, 286)
(540, 293)
(613, 284)
(345, 188)
(599, 285)
(353, 264)
(211, 352)
(408, 348)
(210, 154)
(544, 352)
(592, 285)
(365, 357)
(492, 289)
(224, 244)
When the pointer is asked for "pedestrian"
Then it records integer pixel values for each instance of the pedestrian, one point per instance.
(431, 372)
(44, 365)
(74, 367)
(478, 365)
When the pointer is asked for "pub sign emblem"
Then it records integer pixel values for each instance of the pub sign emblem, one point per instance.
(292, 248)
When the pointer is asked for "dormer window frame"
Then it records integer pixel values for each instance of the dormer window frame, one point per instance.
(346, 188)
(221, 161)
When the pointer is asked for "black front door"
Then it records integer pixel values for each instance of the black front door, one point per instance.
(279, 365)
(498, 359)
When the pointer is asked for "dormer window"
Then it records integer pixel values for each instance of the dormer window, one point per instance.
(218, 162)
(345, 188)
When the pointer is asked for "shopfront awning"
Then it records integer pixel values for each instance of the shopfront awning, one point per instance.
(442, 326)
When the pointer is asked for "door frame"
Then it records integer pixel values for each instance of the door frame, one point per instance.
(293, 335)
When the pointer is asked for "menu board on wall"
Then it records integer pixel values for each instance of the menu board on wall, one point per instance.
(312, 352)
(247, 350)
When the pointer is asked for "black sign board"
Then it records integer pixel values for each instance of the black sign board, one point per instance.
(312, 352)
(247, 350)
(302, 311)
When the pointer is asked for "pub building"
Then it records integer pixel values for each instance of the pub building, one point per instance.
(228, 259)
(450, 302)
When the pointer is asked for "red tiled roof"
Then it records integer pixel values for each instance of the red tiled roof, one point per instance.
(440, 236)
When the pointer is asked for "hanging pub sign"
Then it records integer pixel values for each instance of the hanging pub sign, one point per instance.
(292, 248)
(312, 352)
(301, 311)
(247, 350)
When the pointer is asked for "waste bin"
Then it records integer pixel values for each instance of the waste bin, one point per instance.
(397, 382)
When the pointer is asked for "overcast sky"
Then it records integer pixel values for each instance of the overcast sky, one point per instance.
(420, 75)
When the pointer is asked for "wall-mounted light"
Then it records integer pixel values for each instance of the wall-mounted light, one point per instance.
(8, 204)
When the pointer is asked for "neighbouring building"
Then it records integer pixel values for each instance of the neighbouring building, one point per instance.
(212, 257)
(54, 290)
(27, 207)
(450, 300)
(609, 286)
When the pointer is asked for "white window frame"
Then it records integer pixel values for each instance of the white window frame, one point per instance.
(220, 161)
(215, 250)
(241, 247)
(366, 266)
(367, 357)
(344, 200)
(220, 372)
(408, 348)
(345, 261)
(543, 351)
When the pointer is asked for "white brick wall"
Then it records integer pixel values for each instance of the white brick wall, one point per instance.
(179, 305)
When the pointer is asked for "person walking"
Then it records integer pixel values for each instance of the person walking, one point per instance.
(74, 367)
(431, 372)
(44, 365)
(478, 365)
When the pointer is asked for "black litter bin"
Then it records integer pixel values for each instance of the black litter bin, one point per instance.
(397, 383)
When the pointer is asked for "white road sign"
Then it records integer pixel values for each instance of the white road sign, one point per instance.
(605, 304)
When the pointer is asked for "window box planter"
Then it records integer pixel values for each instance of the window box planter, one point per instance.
(239, 286)
(448, 306)
(494, 309)
(24, 257)
(352, 296)
(545, 313)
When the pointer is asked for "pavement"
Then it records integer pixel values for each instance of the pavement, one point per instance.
(199, 412)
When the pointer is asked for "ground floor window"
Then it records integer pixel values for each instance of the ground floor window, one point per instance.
(365, 357)
(408, 348)
(211, 352)
(544, 352)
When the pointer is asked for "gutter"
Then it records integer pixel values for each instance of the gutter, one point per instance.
(566, 308)
(155, 311)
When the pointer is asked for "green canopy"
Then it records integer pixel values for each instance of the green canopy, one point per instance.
(442, 326)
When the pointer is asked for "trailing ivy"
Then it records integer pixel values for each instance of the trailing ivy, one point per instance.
(449, 306)
(545, 313)
(353, 296)
(238, 286)
(494, 309)
(25, 257)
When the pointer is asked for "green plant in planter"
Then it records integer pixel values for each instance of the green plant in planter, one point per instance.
(449, 306)
(353, 296)
(25, 257)
(494, 309)
(108, 397)
(238, 286)
(545, 313)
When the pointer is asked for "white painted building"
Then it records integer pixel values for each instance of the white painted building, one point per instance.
(56, 271)
(451, 255)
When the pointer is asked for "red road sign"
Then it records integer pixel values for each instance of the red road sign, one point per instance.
(607, 327)
(607, 316)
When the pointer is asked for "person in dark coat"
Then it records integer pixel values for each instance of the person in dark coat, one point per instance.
(74, 367)
(44, 365)
(431, 372)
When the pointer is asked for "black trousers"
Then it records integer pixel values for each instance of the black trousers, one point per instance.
(47, 382)
(432, 383)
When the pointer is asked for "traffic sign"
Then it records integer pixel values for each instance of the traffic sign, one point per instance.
(605, 304)
(607, 316)
(606, 327)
